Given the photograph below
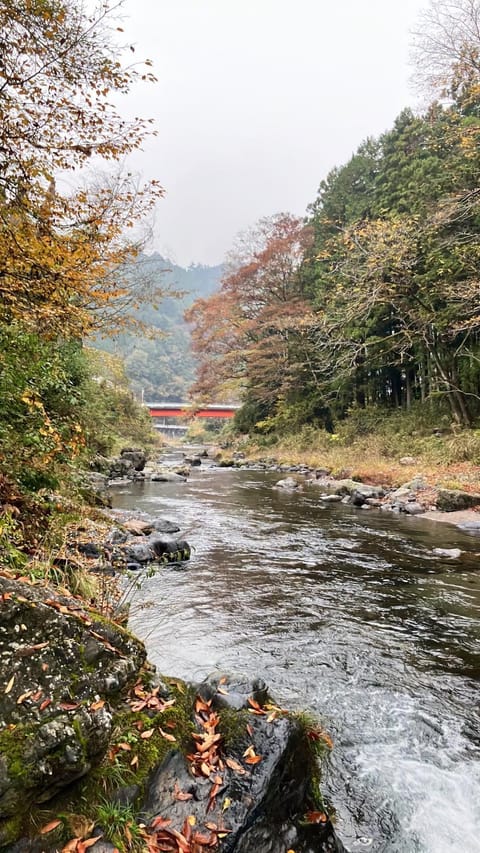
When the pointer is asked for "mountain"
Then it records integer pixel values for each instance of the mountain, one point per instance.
(159, 363)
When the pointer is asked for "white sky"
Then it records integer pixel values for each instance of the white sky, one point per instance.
(256, 101)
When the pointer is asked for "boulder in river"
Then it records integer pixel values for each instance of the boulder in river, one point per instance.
(260, 799)
(289, 483)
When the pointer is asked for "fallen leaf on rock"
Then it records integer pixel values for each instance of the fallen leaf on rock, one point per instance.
(95, 706)
(24, 696)
(253, 759)
(89, 842)
(45, 704)
(235, 765)
(167, 736)
(316, 817)
(182, 796)
(69, 706)
(71, 846)
(160, 822)
(49, 826)
(10, 684)
(255, 707)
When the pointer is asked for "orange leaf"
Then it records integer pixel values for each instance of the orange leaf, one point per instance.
(71, 846)
(234, 765)
(145, 735)
(49, 826)
(316, 817)
(253, 759)
(160, 822)
(181, 795)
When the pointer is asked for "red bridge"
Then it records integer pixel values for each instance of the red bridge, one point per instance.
(162, 411)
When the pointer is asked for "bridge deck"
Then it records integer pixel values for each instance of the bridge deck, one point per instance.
(187, 410)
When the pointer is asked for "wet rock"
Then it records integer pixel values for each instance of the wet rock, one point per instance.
(194, 461)
(451, 500)
(173, 549)
(120, 466)
(167, 477)
(57, 662)
(136, 456)
(226, 691)
(164, 526)
(138, 552)
(263, 801)
(361, 493)
(452, 553)
(331, 499)
(138, 526)
(288, 483)
(413, 508)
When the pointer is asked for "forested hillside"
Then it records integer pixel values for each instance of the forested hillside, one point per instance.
(158, 358)
(371, 301)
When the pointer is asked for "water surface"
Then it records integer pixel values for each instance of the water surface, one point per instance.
(343, 611)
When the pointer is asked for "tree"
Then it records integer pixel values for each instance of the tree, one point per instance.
(60, 250)
(245, 334)
(446, 51)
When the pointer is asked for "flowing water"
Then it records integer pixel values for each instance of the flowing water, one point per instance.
(348, 613)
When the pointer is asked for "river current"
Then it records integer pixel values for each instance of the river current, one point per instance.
(348, 613)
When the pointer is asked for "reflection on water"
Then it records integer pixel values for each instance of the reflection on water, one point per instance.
(347, 612)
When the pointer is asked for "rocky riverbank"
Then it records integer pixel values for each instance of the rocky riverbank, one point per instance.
(416, 496)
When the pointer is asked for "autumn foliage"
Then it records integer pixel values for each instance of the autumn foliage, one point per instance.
(63, 238)
(70, 219)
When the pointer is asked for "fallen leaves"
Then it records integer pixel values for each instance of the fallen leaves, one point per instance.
(251, 756)
(161, 836)
(50, 826)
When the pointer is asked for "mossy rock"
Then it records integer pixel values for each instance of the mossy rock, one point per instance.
(63, 669)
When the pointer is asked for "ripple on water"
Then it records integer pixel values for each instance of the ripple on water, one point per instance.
(349, 614)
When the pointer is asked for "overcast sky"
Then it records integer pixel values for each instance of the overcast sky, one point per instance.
(256, 101)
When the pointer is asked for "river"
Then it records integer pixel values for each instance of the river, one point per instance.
(348, 613)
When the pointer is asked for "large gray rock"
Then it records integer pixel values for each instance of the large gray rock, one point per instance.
(262, 804)
(136, 456)
(451, 500)
(59, 667)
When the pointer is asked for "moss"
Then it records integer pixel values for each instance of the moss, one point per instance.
(13, 745)
(10, 830)
(232, 727)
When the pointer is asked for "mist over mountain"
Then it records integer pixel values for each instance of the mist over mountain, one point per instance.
(159, 363)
